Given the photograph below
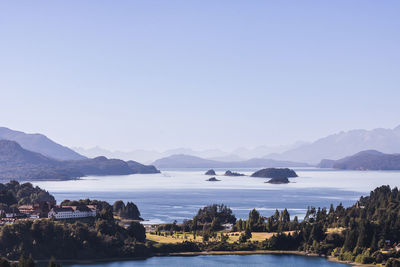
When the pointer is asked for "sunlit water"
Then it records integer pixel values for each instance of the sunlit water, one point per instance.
(225, 260)
(178, 194)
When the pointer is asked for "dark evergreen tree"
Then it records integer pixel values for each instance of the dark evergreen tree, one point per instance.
(53, 263)
(137, 231)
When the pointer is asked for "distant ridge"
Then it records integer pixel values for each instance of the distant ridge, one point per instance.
(18, 163)
(187, 161)
(342, 144)
(365, 160)
(41, 144)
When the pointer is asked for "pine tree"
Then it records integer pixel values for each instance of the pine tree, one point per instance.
(276, 216)
(53, 263)
(22, 261)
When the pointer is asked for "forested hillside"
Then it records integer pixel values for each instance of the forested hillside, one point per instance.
(17, 163)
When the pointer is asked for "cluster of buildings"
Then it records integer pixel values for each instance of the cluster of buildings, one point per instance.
(46, 210)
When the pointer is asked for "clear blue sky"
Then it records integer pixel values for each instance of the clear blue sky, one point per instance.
(200, 74)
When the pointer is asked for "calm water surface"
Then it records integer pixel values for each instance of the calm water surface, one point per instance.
(178, 194)
(226, 260)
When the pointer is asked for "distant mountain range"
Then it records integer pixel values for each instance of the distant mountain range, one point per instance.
(148, 156)
(335, 146)
(187, 161)
(332, 147)
(340, 145)
(365, 160)
(20, 164)
(41, 144)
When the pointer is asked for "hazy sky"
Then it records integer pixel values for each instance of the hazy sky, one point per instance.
(200, 74)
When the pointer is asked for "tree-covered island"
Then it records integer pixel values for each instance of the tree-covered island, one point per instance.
(367, 232)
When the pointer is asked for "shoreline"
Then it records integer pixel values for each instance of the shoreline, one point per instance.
(211, 253)
(352, 263)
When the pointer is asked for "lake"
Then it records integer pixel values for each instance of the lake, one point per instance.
(224, 260)
(178, 194)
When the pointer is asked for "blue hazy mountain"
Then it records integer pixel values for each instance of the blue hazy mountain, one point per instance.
(365, 160)
(148, 156)
(20, 164)
(41, 144)
(342, 144)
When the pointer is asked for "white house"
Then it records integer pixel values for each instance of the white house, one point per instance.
(73, 212)
(228, 226)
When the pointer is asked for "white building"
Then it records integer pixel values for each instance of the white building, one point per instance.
(73, 212)
(228, 226)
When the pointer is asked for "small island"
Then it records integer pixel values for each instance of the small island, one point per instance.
(213, 179)
(278, 181)
(230, 173)
(210, 172)
(275, 173)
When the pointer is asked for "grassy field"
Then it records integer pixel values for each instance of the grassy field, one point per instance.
(178, 238)
(337, 230)
(233, 237)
